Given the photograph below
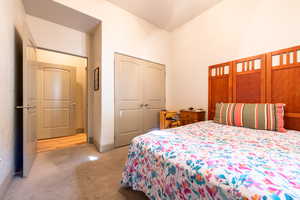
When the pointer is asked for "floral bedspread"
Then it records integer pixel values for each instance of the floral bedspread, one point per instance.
(206, 160)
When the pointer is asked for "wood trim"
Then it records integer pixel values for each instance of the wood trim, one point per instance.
(230, 92)
(292, 115)
(269, 79)
(263, 79)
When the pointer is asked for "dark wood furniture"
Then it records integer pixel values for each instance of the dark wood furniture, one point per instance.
(267, 78)
(168, 119)
(191, 116)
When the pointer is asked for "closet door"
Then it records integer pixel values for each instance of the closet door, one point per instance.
(128, 99)
(153, 94)
(139, 97)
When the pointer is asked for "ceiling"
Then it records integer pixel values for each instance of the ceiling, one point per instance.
(166, 14)
(60, 14)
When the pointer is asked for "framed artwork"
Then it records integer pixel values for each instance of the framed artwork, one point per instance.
(96, 79)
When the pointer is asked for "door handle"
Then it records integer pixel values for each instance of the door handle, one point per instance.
(25, 107)
(146, 105)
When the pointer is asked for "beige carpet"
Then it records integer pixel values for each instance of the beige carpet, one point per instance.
(77, 173)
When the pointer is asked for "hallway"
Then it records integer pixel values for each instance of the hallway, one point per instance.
(76, 173)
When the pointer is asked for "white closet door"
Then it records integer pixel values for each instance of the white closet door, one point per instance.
(153, 94)
(128, 99)
(139, 97)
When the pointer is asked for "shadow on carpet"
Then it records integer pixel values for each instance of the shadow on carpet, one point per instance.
(100, 179)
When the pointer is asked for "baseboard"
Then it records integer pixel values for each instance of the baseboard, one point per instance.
(5, 185)
(91, 140)
(108, 147)
(79, 130)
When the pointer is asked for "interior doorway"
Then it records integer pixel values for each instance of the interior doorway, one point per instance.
(61, 100)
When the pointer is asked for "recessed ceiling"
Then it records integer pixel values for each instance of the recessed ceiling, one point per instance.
(60, 14)
(166, 14)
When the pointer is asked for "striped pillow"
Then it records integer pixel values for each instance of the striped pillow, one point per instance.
(256, 116)
(225, 113)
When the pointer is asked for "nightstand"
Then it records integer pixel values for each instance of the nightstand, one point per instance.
(169, 119)
(191, 116)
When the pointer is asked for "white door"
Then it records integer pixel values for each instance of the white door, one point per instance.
(139, 96)
(29, 105)
(56, 101)
(153, 94)
(128, 99)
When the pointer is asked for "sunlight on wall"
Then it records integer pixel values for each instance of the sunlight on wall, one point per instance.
(59, 58)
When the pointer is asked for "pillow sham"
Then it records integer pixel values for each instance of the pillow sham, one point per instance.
(256, 116)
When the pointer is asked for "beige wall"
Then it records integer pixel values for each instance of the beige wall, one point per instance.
(125, 33)
(81, 79)
(11, 14)
(94, 118)
(232, 29)
(57, 37)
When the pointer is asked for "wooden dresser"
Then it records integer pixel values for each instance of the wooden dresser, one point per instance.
(191, 116)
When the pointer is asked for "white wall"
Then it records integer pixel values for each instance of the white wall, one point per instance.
(232, 29)
(57, 37)
(95, 96)
(60, 59)
(125, 33)
(11, 14)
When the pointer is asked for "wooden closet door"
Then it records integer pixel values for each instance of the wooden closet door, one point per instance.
(153, 94)
(128, 99)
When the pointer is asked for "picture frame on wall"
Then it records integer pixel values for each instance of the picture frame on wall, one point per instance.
(96, 79)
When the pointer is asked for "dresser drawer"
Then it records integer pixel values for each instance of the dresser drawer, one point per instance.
(189, 117)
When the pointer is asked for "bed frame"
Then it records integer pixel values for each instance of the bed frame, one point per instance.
(272, 77)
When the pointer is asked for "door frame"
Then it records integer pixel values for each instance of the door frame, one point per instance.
(88, 112)
(116, 83)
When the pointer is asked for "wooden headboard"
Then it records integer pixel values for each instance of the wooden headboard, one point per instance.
(272, 77)
(283, 83)
(220, 85)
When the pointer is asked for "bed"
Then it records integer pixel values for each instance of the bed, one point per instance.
(207, 160)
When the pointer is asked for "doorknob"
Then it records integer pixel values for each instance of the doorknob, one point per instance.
(25, 107)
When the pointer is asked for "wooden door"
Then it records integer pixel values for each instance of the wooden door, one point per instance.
(29, 106)
(56, 108)
(128, 99)
(153, 94)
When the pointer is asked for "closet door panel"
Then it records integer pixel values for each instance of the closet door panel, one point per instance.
(153, 94)
(128, 99)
